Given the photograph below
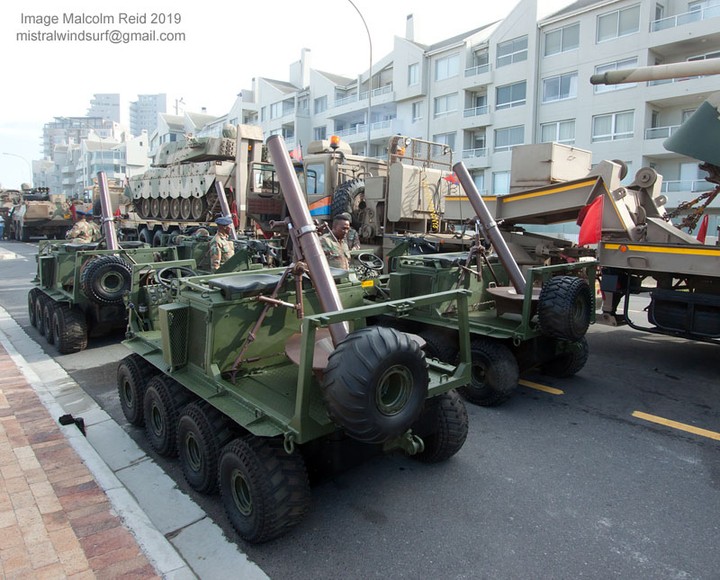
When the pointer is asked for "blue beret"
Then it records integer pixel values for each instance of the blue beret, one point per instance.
(223, 221)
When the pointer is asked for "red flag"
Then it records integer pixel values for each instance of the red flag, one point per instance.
(451, 178)
(702, 232)
(590, 222)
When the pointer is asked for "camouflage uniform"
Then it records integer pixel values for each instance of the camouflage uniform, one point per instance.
(81, 232)
(97, 233)
(337, 253)
(353, 239)
(221, 250)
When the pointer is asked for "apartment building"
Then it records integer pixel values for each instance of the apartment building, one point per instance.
(517, 81)
(144, 113)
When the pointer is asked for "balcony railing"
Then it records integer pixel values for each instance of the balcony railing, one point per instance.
(685, 18)
(477, 152)
(660, 132)
(476, 111)
(477, 70)
(687, 186)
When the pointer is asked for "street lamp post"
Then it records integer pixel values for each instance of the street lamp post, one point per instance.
(369, 109)
(25, 160)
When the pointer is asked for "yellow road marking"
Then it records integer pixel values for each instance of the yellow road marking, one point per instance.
(675, 425)
(539, 387)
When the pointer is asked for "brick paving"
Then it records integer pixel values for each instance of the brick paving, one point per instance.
(55, 521)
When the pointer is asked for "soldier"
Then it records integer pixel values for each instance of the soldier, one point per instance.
(221, 246)
(334, 245)
(82, 231)
(97, 233)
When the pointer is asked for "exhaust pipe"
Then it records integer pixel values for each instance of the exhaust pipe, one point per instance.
(491, 229)
(307, 235)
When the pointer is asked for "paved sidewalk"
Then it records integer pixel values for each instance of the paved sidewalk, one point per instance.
(55, 521)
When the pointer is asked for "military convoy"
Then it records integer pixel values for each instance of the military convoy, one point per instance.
(241, 373)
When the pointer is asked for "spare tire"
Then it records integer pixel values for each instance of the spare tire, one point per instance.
(375, 384)
(349, 197)
(105, 279)
(565, 307)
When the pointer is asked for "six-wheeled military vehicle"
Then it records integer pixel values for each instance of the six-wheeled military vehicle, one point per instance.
(241, 374)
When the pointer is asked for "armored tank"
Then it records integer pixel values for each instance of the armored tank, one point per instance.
(180, 184)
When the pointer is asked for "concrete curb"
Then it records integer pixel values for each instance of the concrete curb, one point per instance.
(143, 496)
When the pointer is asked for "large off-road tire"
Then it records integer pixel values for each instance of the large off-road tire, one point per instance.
(32, 299)
(440, 344)
(105, 279)
(375, 384)
(348, 198)
(570, 361)
(48, 311)
(163, 402)
(40, 322)
(145, 236)
(265, 491)
(69, 329)
(443, 427)
(565, 307)
(133, 375)
(201, 434)
(495, 373)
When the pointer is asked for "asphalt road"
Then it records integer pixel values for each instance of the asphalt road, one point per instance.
(595, 476)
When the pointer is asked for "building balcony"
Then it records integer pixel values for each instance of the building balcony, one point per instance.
(678, 192)
(478, 76)
(358, 133)
(476, 117)
(474, 158)
(685, 18)
(660, 132)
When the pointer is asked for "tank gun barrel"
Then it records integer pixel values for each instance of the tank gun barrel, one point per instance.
(108, 221)
(658, 72)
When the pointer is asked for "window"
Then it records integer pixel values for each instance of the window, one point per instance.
(501, 182)
(686, 114)
(413, 74)
(447, 67)
(613, 126)
(512, 51)
(558, 132)
(618, 65)
(479, 181)
(417, 111)
(560, 87)
(315, 178)
(445, 139)
(562, 40)
(618, 23)
(320, 133)
(445, 104)
(510, 96)
(506, 139)
(275, 110)
(320, 104)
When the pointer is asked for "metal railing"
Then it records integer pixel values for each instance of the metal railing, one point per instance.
(660, 132)
(477, 70)
(702, 13)
(477, 152)
(476, 111)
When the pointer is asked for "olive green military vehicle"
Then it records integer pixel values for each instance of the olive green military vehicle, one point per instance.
(243, 375)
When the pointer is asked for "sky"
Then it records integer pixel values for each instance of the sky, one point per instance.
(225, 46)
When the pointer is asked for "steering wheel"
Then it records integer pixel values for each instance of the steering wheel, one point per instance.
(166, 276)
(370, 261)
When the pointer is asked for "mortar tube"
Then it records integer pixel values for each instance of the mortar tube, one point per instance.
(220, 190)
(490, 227)
(108, 220)
(307, 235)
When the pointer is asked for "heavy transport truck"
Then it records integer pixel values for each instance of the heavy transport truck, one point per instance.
(244, 375)
(39, 214)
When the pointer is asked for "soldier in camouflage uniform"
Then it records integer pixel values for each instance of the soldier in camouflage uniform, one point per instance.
(82, 231)
(221, 246)
(334, 245)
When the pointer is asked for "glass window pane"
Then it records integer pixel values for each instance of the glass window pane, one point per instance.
(553, 42)
(629, 20)
(571, 37)
(607, 26)
(548, 132)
